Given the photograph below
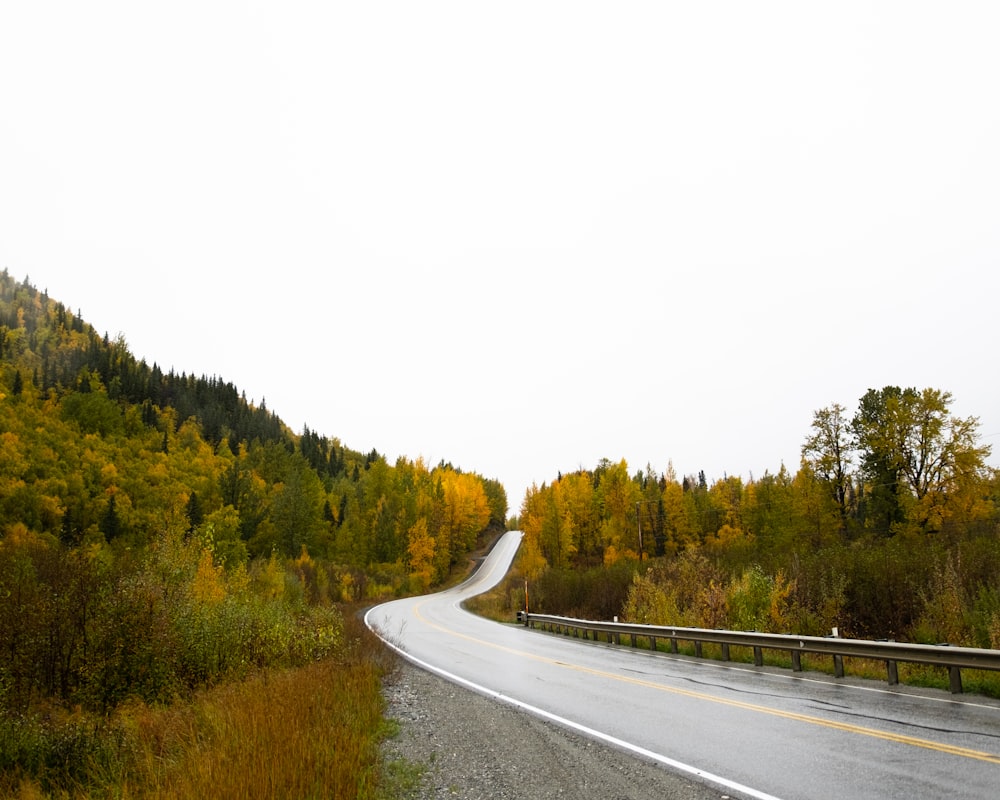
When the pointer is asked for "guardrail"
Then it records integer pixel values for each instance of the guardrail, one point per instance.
(954, 659)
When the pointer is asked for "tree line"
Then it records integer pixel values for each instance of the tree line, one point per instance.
(888, 528)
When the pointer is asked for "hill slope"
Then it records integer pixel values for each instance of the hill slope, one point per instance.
(96, 444)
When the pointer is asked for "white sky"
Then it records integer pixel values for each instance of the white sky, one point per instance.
(521, 236)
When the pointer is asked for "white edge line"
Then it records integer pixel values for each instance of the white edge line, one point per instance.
(568, 723)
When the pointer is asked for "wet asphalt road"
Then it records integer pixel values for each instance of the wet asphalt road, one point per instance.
(752, 732)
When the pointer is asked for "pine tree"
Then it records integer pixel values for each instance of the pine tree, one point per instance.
(111, 525)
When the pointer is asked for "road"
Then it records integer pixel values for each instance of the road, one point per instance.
(752, 732)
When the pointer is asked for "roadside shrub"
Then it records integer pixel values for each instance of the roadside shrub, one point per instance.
(984, 618)
(595, 593)
(649, 602)
(942, 619)
(135, 649)
(759, 602)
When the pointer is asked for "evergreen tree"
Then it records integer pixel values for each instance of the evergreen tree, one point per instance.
(111, 525)
(871, 427)
(195, 515)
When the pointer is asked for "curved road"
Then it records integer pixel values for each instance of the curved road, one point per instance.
(752, 732)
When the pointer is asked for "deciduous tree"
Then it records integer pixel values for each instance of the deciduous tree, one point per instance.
(915, 452)
(420, 553)
(829, 452)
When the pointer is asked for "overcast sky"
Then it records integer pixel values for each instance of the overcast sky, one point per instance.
(521, 236)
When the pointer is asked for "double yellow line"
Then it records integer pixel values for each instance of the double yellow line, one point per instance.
(859, 730)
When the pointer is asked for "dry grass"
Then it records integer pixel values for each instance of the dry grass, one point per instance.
(312, 732)
(301, 733)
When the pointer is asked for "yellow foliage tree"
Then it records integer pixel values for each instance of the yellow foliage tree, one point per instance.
(270, 580)
(208, 586)
(222, 527)
(420, 552)
(466, 510)
(726, 537)
(617, 495)
(530, 559)
(677, 525)
(577, 490)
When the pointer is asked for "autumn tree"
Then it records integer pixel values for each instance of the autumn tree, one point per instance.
(769, 509)
(815, 513)
(532, 519)
(420, 554)
(828, 450)
(558, 533)
(578, 498)
(617, 495)
(914, 453)
(679, 532)
(466, 511)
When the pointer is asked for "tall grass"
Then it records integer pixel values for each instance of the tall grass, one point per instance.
(310, 732)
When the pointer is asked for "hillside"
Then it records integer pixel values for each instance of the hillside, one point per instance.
(97, 444)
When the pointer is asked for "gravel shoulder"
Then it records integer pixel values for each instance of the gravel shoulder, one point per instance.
(455, 743)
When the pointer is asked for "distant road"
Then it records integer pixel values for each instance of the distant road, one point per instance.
(753, 732)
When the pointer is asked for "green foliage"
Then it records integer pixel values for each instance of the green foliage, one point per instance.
(93, 412)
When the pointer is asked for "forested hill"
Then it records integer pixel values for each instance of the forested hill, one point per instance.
(96, 445)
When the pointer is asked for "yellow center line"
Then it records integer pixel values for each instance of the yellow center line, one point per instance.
(846, 727)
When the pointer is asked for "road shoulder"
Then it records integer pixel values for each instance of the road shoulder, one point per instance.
(455, 743)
